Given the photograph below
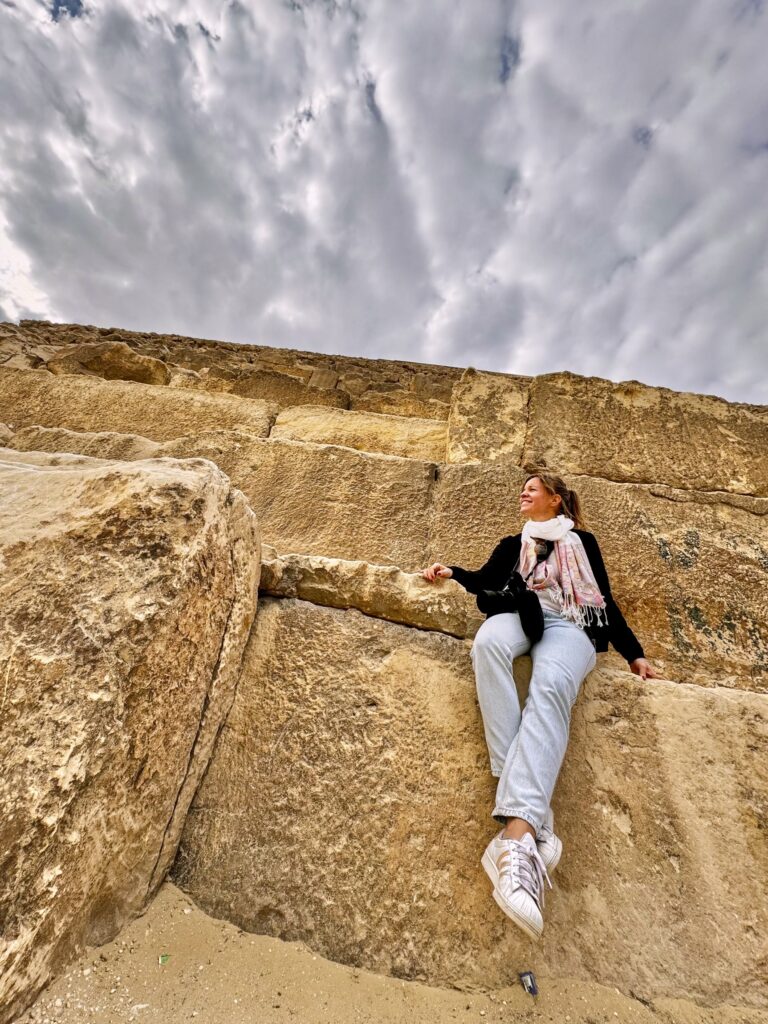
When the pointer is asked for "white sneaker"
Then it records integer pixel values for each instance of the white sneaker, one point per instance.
(550, 847)
(517, 871)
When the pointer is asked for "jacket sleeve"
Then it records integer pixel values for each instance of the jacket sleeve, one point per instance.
(493, 575)
(619, 633)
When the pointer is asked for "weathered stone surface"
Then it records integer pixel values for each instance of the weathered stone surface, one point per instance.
(383, 591)
(354, 757)
(488, 418)
(18, 352)
(285, 390)
(400, 403)
(308, 498)
(128, 594)
(631, 432)
(321, 378)
(5, 433)
(688, 569)
(82, 403)
(424, 384)
(96, 445)
(112, 360)
(371, 432)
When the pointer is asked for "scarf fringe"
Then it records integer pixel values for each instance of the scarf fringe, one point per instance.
(583, 615)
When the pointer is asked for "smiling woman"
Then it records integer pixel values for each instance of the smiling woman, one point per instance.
(559, 562)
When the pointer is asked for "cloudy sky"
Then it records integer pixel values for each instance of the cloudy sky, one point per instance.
(518, 185)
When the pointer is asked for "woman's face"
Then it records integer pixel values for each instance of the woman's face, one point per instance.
(536, 502)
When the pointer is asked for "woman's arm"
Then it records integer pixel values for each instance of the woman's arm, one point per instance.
(619, 633)
(493, 575)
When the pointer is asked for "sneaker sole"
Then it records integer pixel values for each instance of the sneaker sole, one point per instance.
(523, 923)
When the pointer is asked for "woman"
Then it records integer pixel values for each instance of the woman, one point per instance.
(527, 749)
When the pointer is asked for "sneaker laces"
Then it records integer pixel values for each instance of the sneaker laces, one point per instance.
(530, 870)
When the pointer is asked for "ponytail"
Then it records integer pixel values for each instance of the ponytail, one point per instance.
(570, 502)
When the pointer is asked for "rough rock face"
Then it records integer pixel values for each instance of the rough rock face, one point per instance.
(383, 591)
(627, 432)
(632, 432)
(684, 565)
(357, 802)
(489, 417)
(128, 595)
(307, 497)
(416, 388)
(29, 398)
(400, 403)
(348, 726)
(112, 360)
(369, 432)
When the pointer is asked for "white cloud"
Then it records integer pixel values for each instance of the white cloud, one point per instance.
(524, 186)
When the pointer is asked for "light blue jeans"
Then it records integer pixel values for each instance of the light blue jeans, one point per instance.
(527, 748)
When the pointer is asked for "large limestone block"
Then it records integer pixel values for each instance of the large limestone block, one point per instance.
(30, 398)
(631, 432)
(489, 416)
(128, 594)
(112, 360)
(688, 569)
(309, 498)
(399, 402)
(95, 444)
(284, 390)
(348, 803)
(370, 432)
(324, 499)
(383, 591)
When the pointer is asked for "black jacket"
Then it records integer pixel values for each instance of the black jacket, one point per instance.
(504, 558)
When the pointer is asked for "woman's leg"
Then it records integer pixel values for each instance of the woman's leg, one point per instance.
(498, 642)
(561, 660)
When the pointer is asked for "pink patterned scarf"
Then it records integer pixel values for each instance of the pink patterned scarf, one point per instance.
(577, 593)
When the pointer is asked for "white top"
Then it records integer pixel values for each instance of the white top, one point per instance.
(548, 574)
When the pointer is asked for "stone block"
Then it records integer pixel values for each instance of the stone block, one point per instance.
(488, 418)
(85, 403)
(309, 498)
(322, 378)
(400, 403)
(285, 390)
(129, 592)
(372, 432)
(349, 801)
(630, 432)
(112, 360)
(383, 591)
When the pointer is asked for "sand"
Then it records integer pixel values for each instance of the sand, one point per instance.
(177, 964)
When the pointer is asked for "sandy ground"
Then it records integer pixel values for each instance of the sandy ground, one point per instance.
(177, 964)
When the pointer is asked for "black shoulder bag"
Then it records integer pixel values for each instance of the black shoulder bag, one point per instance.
(516, 597)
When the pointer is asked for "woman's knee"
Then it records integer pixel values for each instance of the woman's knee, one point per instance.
(554, 685)
(500, 634)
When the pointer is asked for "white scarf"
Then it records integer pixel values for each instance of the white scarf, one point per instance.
(550, 529)
(577, 594)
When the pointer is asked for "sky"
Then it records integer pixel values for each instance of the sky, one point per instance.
(518, 185)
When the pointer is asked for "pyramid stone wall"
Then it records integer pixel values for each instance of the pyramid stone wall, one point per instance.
(353, 755)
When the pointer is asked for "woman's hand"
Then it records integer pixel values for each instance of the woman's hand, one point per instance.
(641, 668)
(437, 571)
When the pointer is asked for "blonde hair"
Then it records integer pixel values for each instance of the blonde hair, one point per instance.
(555, 485)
